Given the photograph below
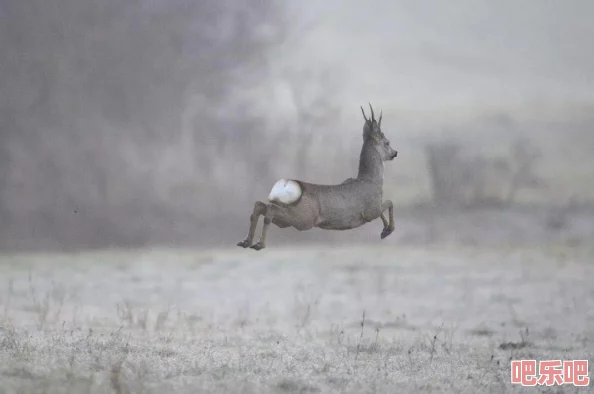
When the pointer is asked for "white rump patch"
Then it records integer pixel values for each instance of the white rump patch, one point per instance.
(285, 191)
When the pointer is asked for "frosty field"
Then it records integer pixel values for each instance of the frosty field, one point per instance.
(362, 319)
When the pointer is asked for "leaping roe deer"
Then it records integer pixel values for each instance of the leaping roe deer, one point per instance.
(348, 205)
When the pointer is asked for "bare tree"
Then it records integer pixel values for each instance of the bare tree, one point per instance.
(523, 157)
(313, 95)
(445, 173)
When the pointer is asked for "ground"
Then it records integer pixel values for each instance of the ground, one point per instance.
(378, 318)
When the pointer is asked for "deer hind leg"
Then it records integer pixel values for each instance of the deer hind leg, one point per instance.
(269, 217)
(388, 225)
(259, 209)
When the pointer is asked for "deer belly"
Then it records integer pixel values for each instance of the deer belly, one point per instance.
(345, 221)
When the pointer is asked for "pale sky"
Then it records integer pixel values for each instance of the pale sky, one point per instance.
(454, 56)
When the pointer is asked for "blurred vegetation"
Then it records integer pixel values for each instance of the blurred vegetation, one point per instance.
(465, 181)
(108, 109)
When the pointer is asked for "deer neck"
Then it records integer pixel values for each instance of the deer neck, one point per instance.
(371, 166)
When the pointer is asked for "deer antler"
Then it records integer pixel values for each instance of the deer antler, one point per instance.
(363, 112)
(372, 114)
(380, 119)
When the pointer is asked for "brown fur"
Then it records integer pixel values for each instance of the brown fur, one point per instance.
(344, 206)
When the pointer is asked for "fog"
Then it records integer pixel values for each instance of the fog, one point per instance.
(138, 123)
(460, 57)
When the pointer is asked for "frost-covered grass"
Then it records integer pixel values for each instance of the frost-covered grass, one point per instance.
(364, 319)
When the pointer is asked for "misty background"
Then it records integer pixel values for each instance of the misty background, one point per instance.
(129, 123)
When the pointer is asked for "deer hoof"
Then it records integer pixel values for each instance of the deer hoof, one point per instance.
(387, 231)
(257, 246)
(243, 244)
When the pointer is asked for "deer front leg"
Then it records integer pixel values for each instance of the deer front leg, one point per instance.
(271, 210)
(384, 220)
(388, 226)
(259, 209)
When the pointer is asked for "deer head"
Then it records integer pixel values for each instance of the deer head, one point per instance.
(372, 133)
